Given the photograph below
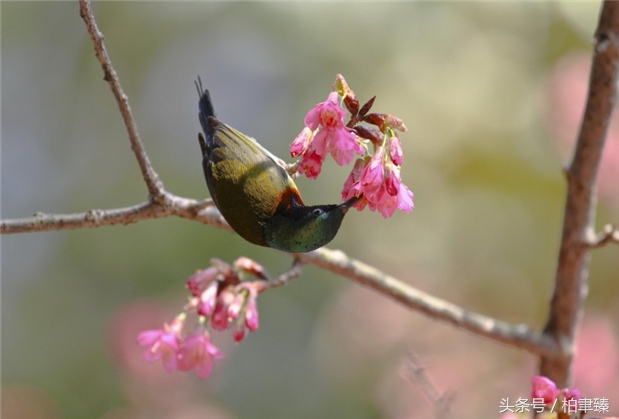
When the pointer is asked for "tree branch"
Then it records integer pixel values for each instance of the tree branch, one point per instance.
(203, 211)
(155, 186)
(519, 336)
(579, 219)
(285, 277)
(164, 204)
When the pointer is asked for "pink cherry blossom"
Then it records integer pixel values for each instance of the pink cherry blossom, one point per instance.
(326, 121)
(373, 175)
(394, 180)
(248, 318)
(343, 146)
(380, 185)
(544, 388)
(328, 114)
(200, 280)
(405, 199)
(163, 343)
(250, 266)
(395, 150)
(571, 394)
(251, 314)
(395, 123)
(220, 320)
(311, 164)
(385, 203)
(320, 144)
(353, 178)
(208, 299)
(236, 306)
(197, 352)
(302, 142)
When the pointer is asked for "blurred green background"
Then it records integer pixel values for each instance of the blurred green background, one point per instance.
(491, 116)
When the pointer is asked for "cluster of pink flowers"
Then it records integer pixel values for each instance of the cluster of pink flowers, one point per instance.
(544, 389)
(377, 180)
(324, 133)
(375, 177)
(195, 351)
(220, 299)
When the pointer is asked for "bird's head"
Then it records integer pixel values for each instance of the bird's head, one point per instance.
(305, 228)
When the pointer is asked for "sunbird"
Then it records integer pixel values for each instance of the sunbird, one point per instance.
(255, 194)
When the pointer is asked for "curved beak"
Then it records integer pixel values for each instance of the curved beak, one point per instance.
(345, 206)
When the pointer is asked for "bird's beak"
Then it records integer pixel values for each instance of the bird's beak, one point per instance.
(345, 206)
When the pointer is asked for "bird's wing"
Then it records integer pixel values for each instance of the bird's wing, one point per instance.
(228, 144)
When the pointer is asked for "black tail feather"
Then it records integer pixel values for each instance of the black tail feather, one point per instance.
(206, 110)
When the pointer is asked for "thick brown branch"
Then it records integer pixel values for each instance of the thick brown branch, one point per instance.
(519, 336)
(155, 186)
(202, 211)
(571, 276)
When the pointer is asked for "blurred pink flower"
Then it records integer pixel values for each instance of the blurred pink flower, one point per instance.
(395, 123)
(197, 352)
(248, 319)
(236, 306)
(544, 388)
(405, 199)
(208, 299)
(571, 394)
(163, 343)
(219, 319)
(596, 361)
(248, 265)
(394, 180)
(251, 315)
(199, 281)
(395, 150)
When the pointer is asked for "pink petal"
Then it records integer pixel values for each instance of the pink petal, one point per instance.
(301, 142)
(405, 199)
(251, 315)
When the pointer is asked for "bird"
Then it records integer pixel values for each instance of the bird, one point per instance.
(254, 192)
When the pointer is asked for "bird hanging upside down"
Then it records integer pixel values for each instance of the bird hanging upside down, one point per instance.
(255, 194)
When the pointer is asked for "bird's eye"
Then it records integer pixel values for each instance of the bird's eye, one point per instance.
(317, 211)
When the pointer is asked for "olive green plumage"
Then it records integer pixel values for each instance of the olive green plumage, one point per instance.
(255, 194)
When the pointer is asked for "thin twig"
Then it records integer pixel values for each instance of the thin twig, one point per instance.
(417, 374)
(572, 268)
(154, 184)
(609, 234)
(285, 277)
